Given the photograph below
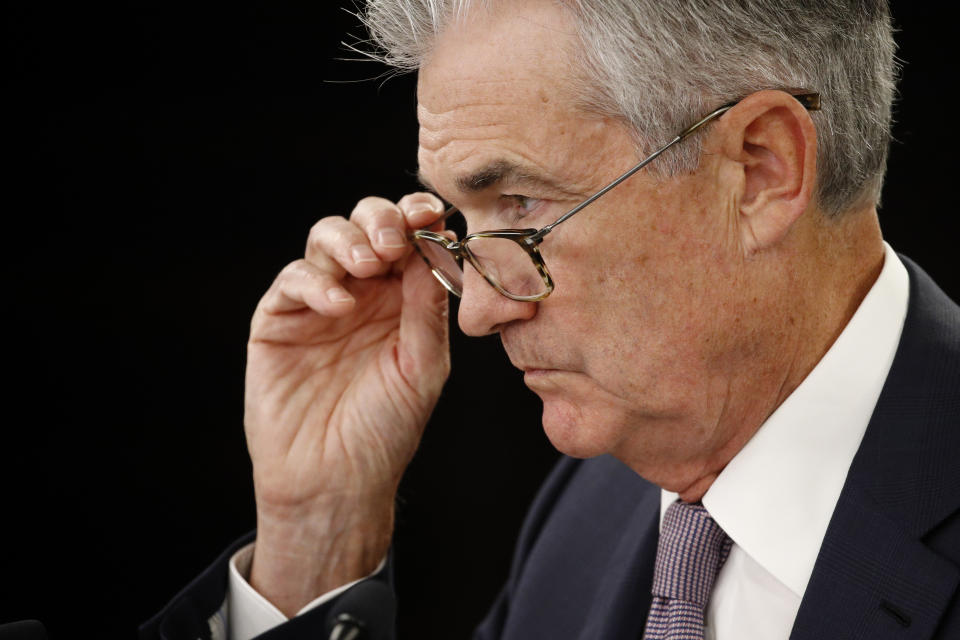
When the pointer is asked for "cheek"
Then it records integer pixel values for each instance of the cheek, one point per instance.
(646, 336)
(656, 283)
(581, 418)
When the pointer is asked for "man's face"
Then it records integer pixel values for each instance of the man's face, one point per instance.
(630, 352)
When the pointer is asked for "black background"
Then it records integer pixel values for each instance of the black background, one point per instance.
(164, 162)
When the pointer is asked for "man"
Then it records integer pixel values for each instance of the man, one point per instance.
(724, 324)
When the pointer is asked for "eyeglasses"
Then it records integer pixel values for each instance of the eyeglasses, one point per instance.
(509, 259)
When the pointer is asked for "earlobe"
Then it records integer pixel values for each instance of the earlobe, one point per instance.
(771, 137)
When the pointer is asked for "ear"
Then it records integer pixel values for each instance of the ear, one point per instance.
(771, 142)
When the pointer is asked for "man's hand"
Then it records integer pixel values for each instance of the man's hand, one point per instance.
(348, 353)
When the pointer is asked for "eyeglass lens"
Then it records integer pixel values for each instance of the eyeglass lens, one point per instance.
(445, 266)
(499, 259)
(508, 264)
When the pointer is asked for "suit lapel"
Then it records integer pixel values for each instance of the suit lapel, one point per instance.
(622, 600)
(873, 580)
(875, 577)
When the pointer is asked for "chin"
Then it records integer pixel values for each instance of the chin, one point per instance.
(571, 433)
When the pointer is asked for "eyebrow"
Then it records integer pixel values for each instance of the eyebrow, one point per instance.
(496, 173)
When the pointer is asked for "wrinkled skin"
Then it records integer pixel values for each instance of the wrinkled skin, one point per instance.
(686, 309)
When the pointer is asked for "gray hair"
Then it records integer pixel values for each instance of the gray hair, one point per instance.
(659, 65)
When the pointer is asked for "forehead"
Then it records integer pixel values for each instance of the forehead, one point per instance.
(518, 52)
(496, 87)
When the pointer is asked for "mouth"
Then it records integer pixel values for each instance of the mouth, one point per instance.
(532, 369)
(540, 376)
(532, 372)
(534, 377)
(532, 366)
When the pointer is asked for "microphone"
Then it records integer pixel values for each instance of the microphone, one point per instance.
(23, 630)
(365, 612)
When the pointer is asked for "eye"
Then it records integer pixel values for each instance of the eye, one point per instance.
(523, 205)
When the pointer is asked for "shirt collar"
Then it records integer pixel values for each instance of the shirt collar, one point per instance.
(776, 497)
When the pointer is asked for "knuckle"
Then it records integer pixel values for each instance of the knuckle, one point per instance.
(372, 203)
(289, 273)
(372, 207)
(325, 222)
(421, 203)
(296, 276)
(368, 201)
(322, 228)
(329, 236)
(386, 217)
(420, 197)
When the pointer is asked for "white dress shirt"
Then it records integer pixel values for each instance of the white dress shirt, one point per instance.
(774, 499)
(249, 613)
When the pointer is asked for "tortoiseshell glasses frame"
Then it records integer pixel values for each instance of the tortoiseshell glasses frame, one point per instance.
(454, 252)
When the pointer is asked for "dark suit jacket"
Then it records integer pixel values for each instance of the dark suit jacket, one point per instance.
(889, 566)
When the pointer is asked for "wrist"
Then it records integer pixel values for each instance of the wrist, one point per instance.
(302, 554)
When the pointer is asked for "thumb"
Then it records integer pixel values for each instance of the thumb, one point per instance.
(423, 351)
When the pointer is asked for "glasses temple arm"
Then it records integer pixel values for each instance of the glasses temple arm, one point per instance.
(810, 101)
(547, 229)
(653, 156)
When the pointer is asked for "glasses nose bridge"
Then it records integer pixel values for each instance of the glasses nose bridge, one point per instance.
(462, 253)
(458, 249)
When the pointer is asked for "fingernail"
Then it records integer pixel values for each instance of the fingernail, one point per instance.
(338, 294)
(362, 253)
(390, 239)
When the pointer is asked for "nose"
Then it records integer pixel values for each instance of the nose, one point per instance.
(483, 310)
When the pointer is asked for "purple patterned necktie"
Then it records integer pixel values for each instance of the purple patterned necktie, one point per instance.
(692, 549)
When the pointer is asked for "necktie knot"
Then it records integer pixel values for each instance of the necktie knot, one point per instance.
(692, 549)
